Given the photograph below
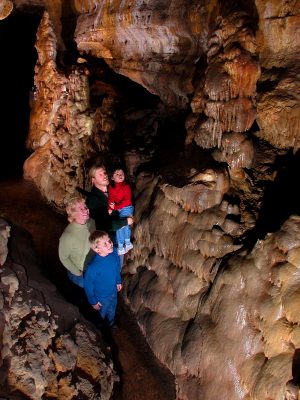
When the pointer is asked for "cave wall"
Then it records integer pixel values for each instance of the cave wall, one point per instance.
(48, 350)
(221, 314)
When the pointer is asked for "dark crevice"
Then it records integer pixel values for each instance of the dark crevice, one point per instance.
(281, 197)
(17, 71)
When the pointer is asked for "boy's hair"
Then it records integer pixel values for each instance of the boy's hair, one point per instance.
(94, 168)
(70, 207)
(95, 236)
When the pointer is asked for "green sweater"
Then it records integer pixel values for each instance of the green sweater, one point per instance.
(74, 247)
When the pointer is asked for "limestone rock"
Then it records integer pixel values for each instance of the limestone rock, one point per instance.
(6, 7)
(226, 94)
(63, 129)
(4, 235)
(278, 110)
(38, 357)
(154, 44)
(238, 318)
(278, 19)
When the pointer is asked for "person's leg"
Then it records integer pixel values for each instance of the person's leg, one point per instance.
(111, 309)
(108, 309)
(127, 212)
(78, 280)
(120, 237)
(103, 309)
(127, 235)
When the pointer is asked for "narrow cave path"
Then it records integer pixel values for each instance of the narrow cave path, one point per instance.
(142, 376)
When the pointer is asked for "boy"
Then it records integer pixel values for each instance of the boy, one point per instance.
(102, 279)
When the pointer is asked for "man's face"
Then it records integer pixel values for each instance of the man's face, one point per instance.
(100, 178)
(81, 213)
(118, 176)
(104, 246)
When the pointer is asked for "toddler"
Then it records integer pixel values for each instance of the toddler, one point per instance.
(119, 198)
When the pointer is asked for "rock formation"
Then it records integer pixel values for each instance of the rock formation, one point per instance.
(217, 306)
(47, 349)
(4, 235)
(215, 324)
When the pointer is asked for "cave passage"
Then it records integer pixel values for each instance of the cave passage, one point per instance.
(23, 207)
(281, 197)
(17, 39)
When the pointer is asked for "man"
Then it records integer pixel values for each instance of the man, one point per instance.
(97, 202)
(74, 248)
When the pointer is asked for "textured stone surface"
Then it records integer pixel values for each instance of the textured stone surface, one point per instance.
(234, 327)
(61, 124)
(278, 110)
(224, 101)
(224, 318)
(40, 356)
(6, 7)
(156, 44)
(278, 19)
(4, 235)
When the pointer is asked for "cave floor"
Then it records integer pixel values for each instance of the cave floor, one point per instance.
(142, 376)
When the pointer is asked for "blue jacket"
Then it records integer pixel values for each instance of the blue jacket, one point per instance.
(102, 276)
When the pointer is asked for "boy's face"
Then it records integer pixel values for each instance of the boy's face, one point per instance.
(118, 176)
(103, 246)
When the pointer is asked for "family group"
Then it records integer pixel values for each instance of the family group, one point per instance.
(93, 245)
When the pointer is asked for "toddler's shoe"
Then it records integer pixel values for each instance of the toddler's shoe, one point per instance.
(121, 251)
(128, 246)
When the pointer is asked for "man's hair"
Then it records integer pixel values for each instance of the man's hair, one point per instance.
(94, 168)
(95, 236)
(70, 207)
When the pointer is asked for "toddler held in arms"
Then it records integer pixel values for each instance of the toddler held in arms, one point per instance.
(119, 198)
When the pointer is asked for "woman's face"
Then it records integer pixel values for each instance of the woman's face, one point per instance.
(81, 213)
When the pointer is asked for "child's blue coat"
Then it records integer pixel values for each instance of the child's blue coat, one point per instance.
(102, 277)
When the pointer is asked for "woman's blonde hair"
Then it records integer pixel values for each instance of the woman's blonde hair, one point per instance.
(71, 207)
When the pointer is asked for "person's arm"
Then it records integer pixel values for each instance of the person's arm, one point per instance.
(64, 253)
(111, 199)
(89, 280)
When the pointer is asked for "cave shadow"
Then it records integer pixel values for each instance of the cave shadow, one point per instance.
(296, 367)
(16, 74)
(281, 197)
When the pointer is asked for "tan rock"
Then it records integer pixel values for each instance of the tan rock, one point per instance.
(4, 235)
